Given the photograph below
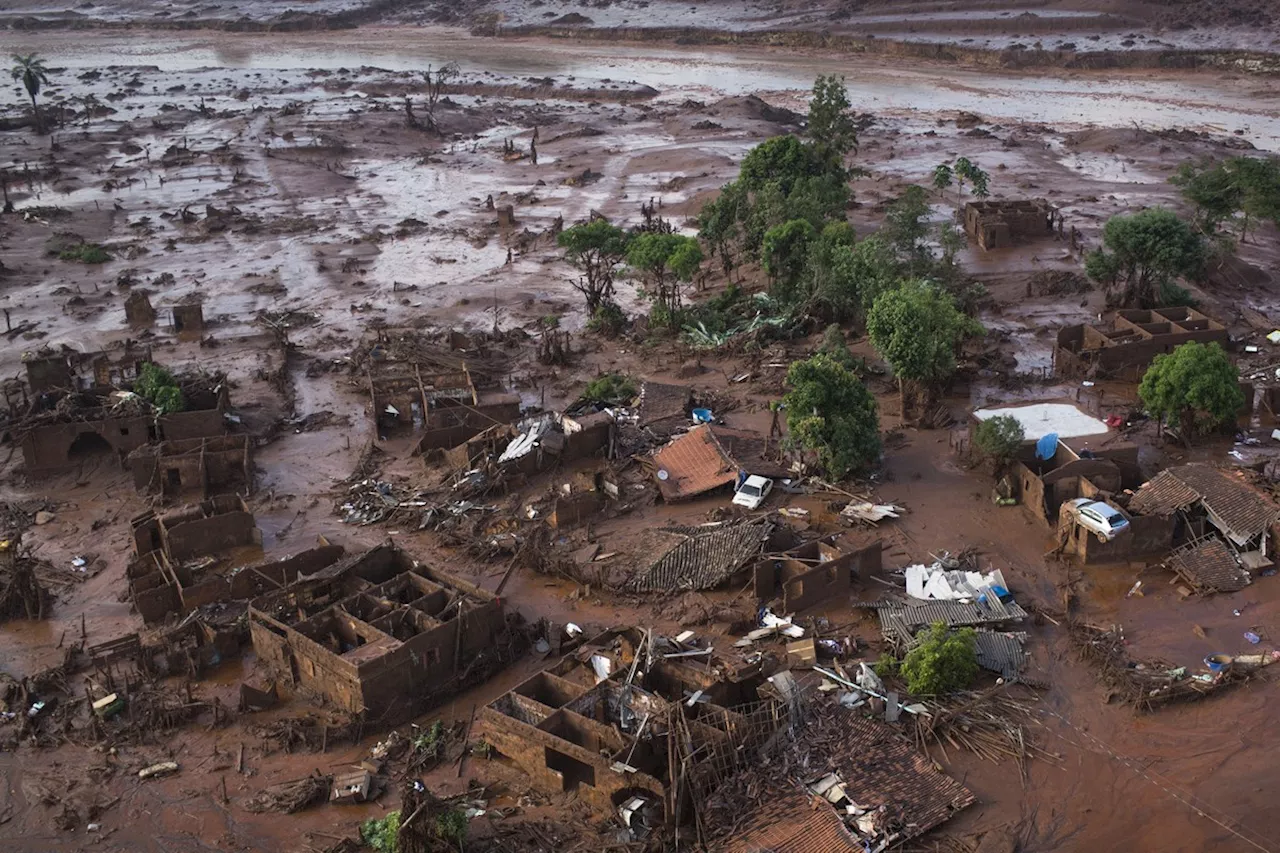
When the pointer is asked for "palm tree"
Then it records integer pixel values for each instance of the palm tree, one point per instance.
(31, 71)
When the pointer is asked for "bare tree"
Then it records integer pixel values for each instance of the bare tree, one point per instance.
(437, 80)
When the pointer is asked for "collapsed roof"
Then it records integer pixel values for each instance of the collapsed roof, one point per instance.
(1240, 512)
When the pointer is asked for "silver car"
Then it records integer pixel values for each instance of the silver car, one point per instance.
(1103, 520)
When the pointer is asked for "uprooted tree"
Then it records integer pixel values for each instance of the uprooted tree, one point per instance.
(1143, 255)
(596, 249)
(1196, 387)
(831, 414)
(917, 329)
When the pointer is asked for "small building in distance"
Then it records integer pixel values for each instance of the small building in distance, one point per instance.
(1126, 347)
(1004, 224)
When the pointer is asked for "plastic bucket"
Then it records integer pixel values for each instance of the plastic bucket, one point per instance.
(1217, 663)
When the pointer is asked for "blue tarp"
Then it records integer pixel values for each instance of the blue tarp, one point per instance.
(1047, 446)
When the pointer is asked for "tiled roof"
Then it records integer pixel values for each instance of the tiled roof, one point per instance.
(694, 463)
(703, 560)
(792, 822)
(1209, 566)
(1234, 507)
(749, 451)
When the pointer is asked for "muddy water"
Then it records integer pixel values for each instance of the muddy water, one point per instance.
(1122, 99)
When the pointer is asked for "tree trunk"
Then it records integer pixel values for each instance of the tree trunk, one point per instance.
(35, 109)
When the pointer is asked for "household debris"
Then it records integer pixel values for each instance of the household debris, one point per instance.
(869, 513)
(290, 797)
(937, 583)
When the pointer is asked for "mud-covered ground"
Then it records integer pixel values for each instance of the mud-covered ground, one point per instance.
(277, 173)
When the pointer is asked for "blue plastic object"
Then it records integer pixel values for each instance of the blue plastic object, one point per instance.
(702, 416)
(1047, 446)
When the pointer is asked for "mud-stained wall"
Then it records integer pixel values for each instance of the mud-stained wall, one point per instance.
(211, 535)
(1148, 536)
(54, 447)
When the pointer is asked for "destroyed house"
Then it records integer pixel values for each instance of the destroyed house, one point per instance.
(379, 634)
(159, 587)
(711, 457)
(63, 427)
(1125, 348)
(1080, 468)
(1203, 501)
(816, 573)
(445, 407)
(1003, 224)
(203, 466)
(534, 444)
(629, 716)
(214, 526)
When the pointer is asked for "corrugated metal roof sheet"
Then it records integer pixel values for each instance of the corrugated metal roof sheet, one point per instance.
(1236, 508)
(902, 621)
(1002, 653)
(694, 463)
(1210, 566)
(703, 560)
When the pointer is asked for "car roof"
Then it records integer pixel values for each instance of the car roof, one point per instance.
(756, 480)
(1105, 510)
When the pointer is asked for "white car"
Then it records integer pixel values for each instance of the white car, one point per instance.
(753, 492)
(1105, 521)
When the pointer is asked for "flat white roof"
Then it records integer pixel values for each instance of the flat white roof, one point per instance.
(1040, 419)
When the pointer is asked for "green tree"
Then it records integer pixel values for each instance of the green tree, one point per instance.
(1246, 189)
(663, 261)
(823, 293)
(962, 170)
(943, 661)
(830, 127)
(1142, 254)
(917, 329)
(30, 69)
(943, 177)
(999, 438)
(157, 386)
(1195, 386)
(783, 160)
(1211, 190)
(596, 248)
(785, 252)
(967, 170)
(836, 348)
(906, 227)
(718, 224)
(831, 414)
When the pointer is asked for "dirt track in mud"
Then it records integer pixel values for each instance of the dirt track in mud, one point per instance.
(347, 216)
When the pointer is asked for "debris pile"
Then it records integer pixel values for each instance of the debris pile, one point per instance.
(22, 596)
(290, 797)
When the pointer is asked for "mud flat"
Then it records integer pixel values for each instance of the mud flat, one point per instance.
(277, 180)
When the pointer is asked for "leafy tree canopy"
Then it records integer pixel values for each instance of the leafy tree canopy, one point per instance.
(1195, 386)
(917, 328)
(596, 248)
(830, 127)
(785, 251)
(999, 437)
(943, 662)
(1142, 254)
(832, 414)
(1244, 189)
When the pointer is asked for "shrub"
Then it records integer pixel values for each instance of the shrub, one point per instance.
(608, 319)
(610, 389)
(85, 253)
(452, 826)
(157, 386)
(999, 437)
(943, 662)
(382, 834)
